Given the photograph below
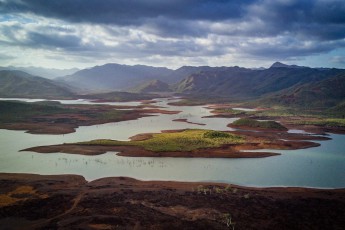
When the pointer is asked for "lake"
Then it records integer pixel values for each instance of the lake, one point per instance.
(322, 167)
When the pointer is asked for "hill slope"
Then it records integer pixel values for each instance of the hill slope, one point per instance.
(321, 94)
(244, 83)
(20, 84)
(42, 72)
(111, 77)
(152, 86)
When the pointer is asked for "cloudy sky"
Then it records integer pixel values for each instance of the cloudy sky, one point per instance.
(172, 33)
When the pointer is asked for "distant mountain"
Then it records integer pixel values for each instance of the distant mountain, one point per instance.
(15, 83)
(185, 71)
(112, 77)
(43, 72)
(242, 83)
(281, 65)
(152, 86)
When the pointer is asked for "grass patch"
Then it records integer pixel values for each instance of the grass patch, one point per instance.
(258, 124)
(230, 111)
(187, 140)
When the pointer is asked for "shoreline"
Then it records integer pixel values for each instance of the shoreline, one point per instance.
(134, 151)
(27, 200)
(271, 139)
(58, 124)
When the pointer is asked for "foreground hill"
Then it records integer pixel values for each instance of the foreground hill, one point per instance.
(70, 202)
(20, 84)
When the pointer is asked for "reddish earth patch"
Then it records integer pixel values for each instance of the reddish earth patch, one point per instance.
(69, 202)
(134, 151)
(67, 123)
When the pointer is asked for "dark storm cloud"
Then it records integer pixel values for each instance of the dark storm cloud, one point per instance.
(179, 28)
(46, 40)
(324, 20)
(44, 37)
(127, 12)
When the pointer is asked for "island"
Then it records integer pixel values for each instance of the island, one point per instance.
(190, 143)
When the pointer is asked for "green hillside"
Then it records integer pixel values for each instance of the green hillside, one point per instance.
(151, 86)
(241, 83)
(327, 95)
(20, 84)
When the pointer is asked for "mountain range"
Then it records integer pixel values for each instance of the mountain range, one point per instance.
(114, 77)
(110, 77)
(43, 72)
(242, 83)
(280, 84)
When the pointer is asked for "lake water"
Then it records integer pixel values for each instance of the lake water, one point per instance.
(322, 167)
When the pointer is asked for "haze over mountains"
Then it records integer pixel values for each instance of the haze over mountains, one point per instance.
(14, 83)
(279, 84)
(43, 72)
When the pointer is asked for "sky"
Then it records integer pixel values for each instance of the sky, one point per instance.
(172, 33)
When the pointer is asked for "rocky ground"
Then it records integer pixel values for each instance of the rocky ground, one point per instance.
(30, 201)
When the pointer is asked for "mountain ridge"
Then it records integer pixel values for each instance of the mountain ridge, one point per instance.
(15, 83)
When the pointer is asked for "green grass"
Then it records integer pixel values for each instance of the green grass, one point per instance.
(230, 111)
(258, 124)
(187, 140)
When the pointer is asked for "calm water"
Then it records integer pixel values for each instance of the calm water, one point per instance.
(322, 166)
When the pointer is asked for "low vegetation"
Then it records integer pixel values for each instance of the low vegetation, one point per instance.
(120, 96)
(246, 122)
(20, 111)
(187, 140)
(230, 111)
(54, 112)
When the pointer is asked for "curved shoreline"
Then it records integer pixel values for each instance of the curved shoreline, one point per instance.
(134, 151)
(252, 141)
(68, 123)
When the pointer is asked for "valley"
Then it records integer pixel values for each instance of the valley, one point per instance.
(242, 151)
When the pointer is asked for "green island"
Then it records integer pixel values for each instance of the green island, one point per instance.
(251, 123)
(187, 140)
